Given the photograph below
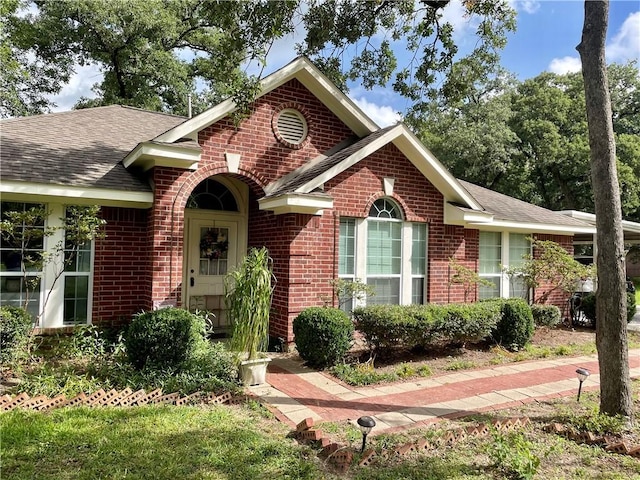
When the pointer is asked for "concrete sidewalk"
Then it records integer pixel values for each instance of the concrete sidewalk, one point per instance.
(298, 392)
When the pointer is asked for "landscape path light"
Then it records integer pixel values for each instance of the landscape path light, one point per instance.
(582, 373)
(365, 424)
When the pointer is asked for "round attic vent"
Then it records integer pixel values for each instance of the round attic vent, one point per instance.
(291, 127)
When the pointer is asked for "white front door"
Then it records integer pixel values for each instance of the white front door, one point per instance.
(214, 244)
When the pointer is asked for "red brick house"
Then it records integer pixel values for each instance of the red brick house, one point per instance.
(307, 174)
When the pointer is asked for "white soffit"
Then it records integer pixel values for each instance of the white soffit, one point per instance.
(75, 195)
(627, 225)
(150, 154)
(500, 225)
(296, 203)
(303, 70)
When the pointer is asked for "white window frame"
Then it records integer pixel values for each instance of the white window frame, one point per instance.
(406, 276)
(504, 286)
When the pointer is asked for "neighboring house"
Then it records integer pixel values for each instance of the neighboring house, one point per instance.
(307, 174)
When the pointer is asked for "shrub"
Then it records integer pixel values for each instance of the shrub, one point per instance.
(461, 323)
(15, 325)
(515, 327)
(545, 315)
(323, 335)
(588, 306)
(386, 326)
(163, 338)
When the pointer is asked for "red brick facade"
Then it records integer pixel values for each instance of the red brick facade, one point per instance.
(140, 263)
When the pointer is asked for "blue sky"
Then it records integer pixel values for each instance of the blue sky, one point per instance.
(545, 40)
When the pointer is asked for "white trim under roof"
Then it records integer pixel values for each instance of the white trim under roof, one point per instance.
(72, 194)
(151, 154)
(554, 229)
(296, 203)
(307, 73)
(627, 225)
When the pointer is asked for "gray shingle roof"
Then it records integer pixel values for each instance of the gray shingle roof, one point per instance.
(81, 147)
(306, 173)
(511, 209)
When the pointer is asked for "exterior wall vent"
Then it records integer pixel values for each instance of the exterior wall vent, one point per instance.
(291, 127)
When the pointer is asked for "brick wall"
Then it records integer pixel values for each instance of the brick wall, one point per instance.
(559, 297)
(122, 279)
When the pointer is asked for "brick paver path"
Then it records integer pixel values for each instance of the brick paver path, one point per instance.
(298, 392)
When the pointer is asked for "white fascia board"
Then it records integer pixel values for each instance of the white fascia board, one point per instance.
(344, 108)
(296, 203)
(349, 161)
(71, 194)
(627, 225)
(454, 215)
(148, 155)
(501, 225)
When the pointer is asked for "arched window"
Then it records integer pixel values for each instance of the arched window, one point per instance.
(386, 251)
(212, 195)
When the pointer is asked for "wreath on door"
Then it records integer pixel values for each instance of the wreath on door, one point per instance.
(213, 245)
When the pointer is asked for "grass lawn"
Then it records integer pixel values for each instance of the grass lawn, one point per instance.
(152, 442)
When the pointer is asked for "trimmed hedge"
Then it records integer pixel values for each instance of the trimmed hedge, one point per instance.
(515, 327)
(163, 339)
(588, 305)
(546, 315)
(390, 326)
(323, 335)
(15, 325)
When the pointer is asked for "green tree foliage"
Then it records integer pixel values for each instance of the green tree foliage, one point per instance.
(153, 53)
(530, 139)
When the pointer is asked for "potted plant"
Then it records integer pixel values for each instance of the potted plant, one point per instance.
(248, 291)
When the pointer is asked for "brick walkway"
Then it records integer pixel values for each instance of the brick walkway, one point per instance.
(298, 392)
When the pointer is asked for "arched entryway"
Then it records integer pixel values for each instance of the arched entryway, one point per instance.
(215, 240)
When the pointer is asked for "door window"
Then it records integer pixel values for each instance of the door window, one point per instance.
(214, 250)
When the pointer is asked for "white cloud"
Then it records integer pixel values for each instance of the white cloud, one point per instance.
(383, 115)
(625, 44)
(565, 65)
(79, 85)
(527, 6)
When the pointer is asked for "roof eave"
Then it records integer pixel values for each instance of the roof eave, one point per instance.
(74, 194)
(147, 155)
(296, 203)
(554, 229)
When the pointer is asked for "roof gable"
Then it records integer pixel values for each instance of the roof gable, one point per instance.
(307, 74)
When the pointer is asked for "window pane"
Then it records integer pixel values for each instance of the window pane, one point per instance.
(384, 248)
(347, 246)
(418, 248)
(387, 291)
(24, 246)
(492, 291)
(14, 291)
(417, 291)
(519, 248)
(490, 252)
(76, 297)
(518, 288)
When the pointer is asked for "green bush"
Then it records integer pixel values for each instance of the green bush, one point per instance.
(470, 322)
(163, 339)
(409, 326)
(15, 325)
(323, 335)
(387, 326)
(546, 315)
(588, 306)
(515, 327)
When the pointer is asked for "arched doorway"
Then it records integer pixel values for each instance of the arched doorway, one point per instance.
(215, 240)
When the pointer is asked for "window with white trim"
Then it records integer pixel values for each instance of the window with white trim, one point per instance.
(77, 282)
(21, 251)
(499, 250)
(387, 252)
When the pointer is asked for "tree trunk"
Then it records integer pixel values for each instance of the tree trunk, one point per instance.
(611, 305)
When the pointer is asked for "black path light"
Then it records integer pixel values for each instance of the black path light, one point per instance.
(365, 424)
(582, 373)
